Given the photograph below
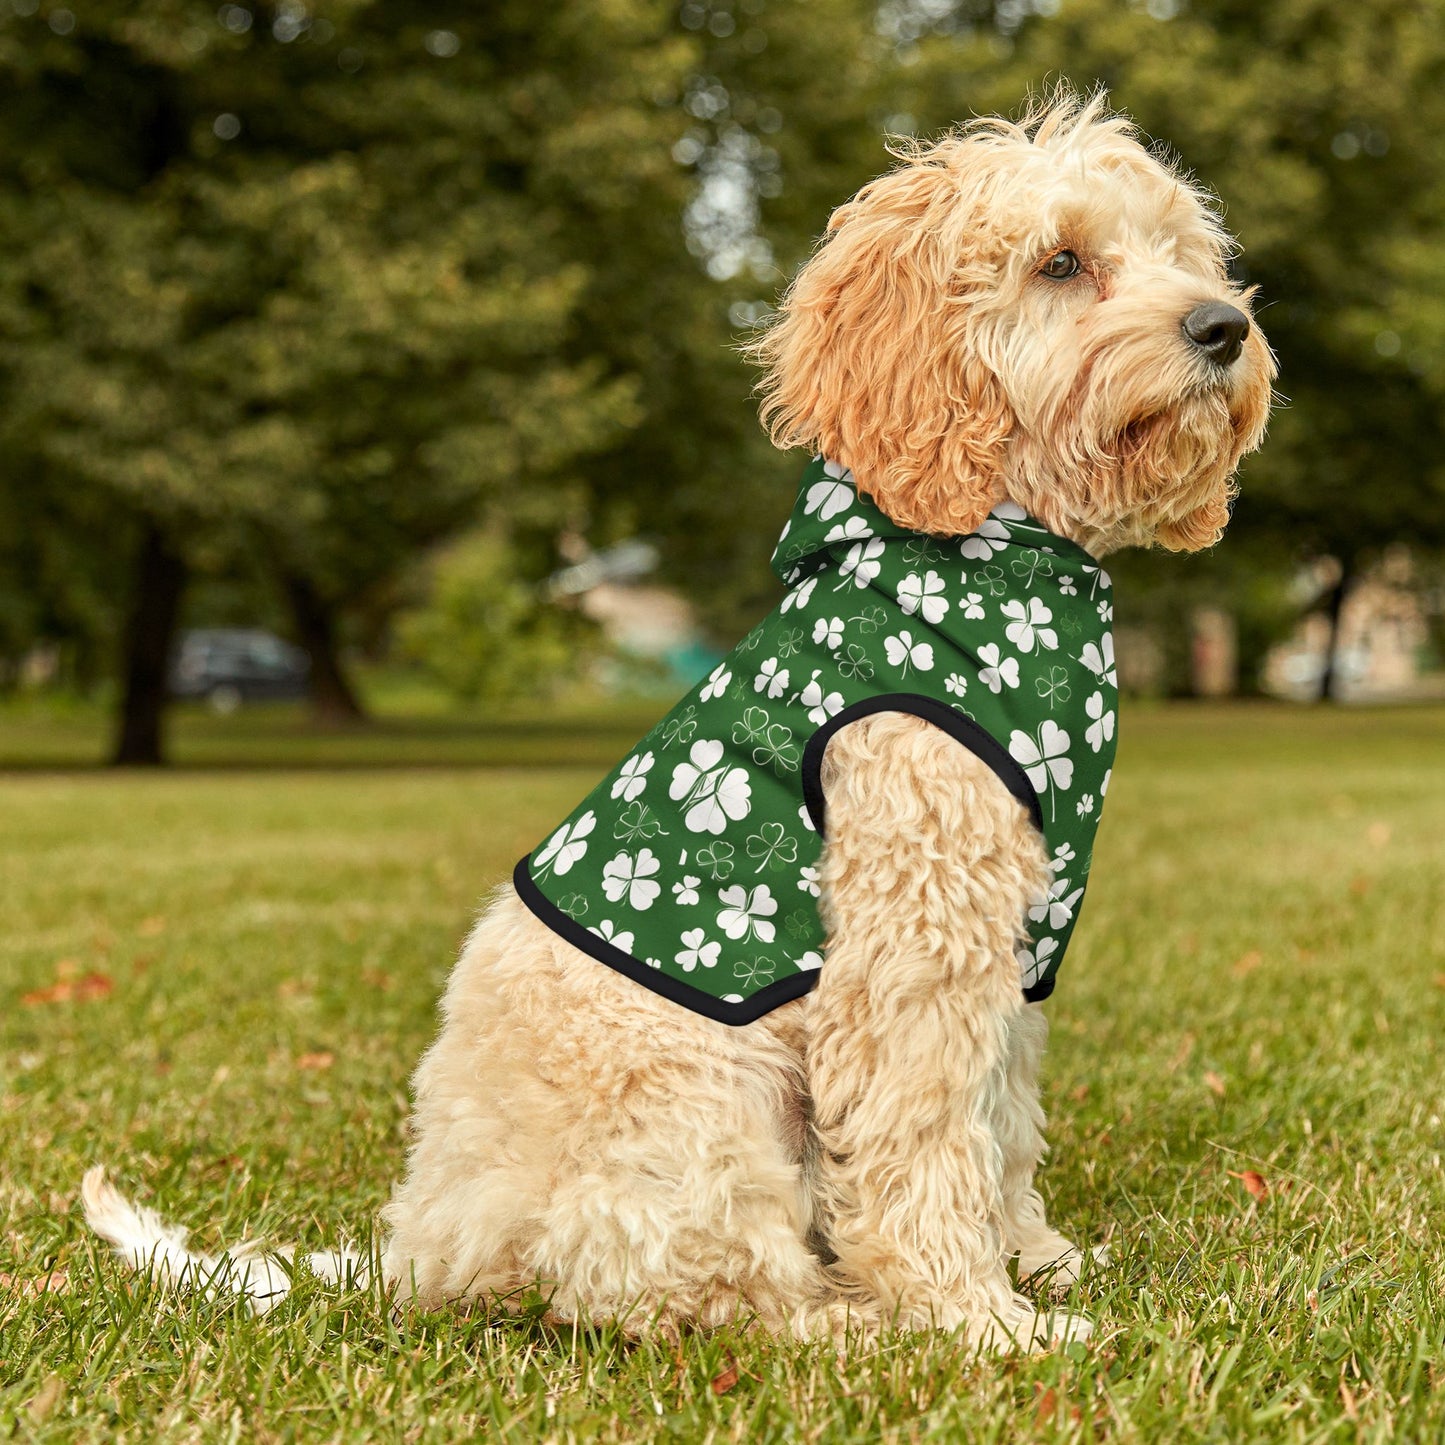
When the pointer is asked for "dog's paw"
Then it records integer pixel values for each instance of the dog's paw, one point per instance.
(1023, 1326)
(1058, 1270)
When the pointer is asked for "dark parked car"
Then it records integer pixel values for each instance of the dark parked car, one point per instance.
(231, 665)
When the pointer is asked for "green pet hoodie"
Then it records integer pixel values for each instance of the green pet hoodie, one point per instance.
(693, 866)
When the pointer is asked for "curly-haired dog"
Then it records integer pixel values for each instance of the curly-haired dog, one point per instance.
(1031, 319)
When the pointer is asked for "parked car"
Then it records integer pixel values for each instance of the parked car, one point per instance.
(230, 665)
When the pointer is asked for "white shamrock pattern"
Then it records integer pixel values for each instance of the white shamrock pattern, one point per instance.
(923, 595)
(711, 793)
(566, 846)
(821, 706)
(632, 777)
(747, 914)
(696, 950)
(1029, 625)
(903, 652)
(634, 879)
(998, 672)
(1014, 636)
(1099, 659)
(1101, 728)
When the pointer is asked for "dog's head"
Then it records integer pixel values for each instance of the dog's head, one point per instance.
(1036, 310)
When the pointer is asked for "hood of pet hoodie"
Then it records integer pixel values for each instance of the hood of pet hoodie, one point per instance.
(693, 866)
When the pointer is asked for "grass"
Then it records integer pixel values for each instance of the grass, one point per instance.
(252, 959)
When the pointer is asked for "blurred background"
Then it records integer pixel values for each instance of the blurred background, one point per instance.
(367, 363)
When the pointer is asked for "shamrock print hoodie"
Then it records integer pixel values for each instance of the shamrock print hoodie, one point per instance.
(693, 866)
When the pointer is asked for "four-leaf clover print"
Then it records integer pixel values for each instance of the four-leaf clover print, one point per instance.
(861, 564)
(832, 495)
(566, 846)
(1044, 757)
(712, 794)
(828, 632)
(747, 913)
(903, 652)
(632, 777)
(1029, 625)
(924, 596)
(633, 878)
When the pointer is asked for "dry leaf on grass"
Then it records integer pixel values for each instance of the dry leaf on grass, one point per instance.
(56, 1282)
(726, 1379)
(1255, 1184)
(322, 1059)
(1247, 963)
(1214, 1083)
(1046, 1407)
(67, 990)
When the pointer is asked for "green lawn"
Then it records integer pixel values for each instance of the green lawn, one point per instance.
(252, 958)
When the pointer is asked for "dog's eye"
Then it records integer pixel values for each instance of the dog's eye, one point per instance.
(1060, 266)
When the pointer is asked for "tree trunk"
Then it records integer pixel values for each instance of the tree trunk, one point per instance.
(160, 578)
(333, 699)
(1329, 677)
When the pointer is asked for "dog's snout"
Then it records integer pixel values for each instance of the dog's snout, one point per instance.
(1218, 330)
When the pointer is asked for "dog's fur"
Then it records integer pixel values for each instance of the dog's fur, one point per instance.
(864, 1155)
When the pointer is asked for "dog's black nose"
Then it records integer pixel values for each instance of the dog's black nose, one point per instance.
(1218, 330)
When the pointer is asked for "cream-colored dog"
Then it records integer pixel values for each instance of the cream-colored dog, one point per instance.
(1036, 311)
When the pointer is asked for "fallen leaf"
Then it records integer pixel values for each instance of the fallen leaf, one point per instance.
(56, 1282)
(1248, 962)
(377, 978)
(1378, 834)
(1214, 1083)
(322, 1059)
(1046, 1407)
(1255, 1184)
(1080, 1094)
(66, 990)
(151, 927)
(722, 1383)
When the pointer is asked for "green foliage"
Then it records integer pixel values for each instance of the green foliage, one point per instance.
(484, 633)
(1247, 922)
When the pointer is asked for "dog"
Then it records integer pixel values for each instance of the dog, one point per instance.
(1026, 319)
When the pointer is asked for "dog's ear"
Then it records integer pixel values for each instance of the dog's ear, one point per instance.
(873, 361)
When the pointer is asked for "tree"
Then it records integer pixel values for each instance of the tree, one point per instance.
(293, 284)
(1317, 122)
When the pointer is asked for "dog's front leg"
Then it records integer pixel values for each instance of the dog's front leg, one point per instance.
(929, 869)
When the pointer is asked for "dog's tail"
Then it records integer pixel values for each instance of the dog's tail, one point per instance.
(147, 1243)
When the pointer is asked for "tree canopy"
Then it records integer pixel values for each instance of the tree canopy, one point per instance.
(303, 290)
